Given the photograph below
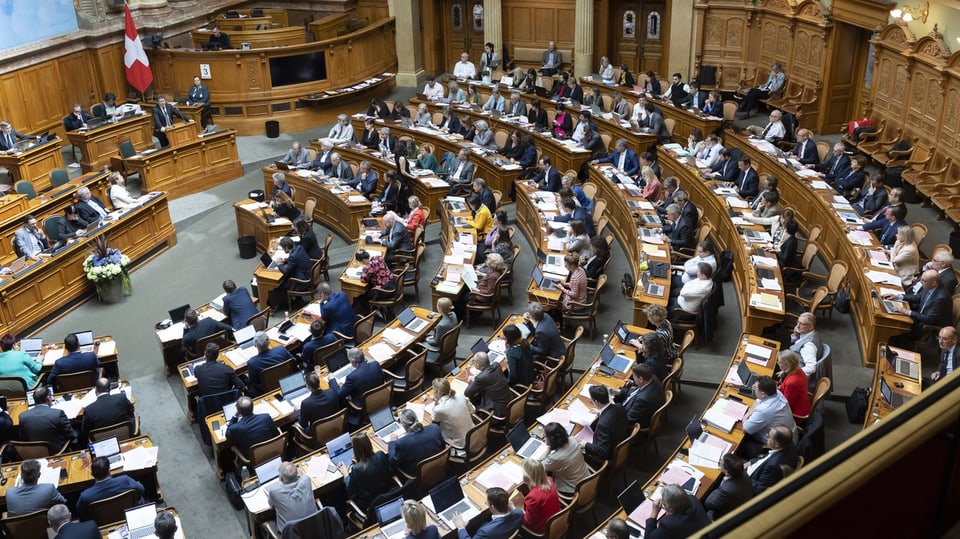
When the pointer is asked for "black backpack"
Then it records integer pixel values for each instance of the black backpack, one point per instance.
(857, 405)
(626, 285)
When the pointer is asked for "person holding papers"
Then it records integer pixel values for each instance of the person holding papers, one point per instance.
(766, 470)
(486, 286)
(247, 429)
(793, 383)
(195, 328)
(930, 306)
(342, 130)
(418, 443)
(609, 428)
(449, 123)
(16, 363)
(546, 338)
(541, 500)
(452, 412)
(369, 476)
(564, 460)
(684, 515)
(489, 386)
(642, 395)
(770, 409)
(31, 495)
(104, 486)
(214, 376)
(724, 169)
(735, 489)
(806, 149)
(266, 357)
(519, 357)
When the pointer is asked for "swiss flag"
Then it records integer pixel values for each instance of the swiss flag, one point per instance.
(134, 58)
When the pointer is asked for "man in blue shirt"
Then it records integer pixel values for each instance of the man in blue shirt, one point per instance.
(771, 408)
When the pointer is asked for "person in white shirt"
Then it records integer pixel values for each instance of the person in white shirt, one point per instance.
(693, 292)
(805, 342)
(606, 70)
(706, 252)
(342, 130)
(119, 196)
(773, 131)
(433, 90)
(640, 112)
(452, 412)
(709, 153)
(464, 69)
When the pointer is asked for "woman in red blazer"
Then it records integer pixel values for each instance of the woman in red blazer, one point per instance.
(793, 383)
(541, 500)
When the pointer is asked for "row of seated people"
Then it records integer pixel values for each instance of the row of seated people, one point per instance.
(60, 519)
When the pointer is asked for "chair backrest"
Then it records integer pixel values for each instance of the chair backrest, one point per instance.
(602, 223)
(13, 387)
(377, 398)
(825, 362)
(309, 206)
(31, 450)
(687, 340)
(413, 370)
(657, 417)
(432, 470)
(58, 177)
(956, 313)
(270, 377)
(268, 449)
(669, 123)
(75, 380)
(448, 343)
(516, 408)
(730, 110)
(819, 295)
(919, 232)
(363, 328)
(589, 189)
(220, 338)
(260, 320)
(570, 352)
(329, 427)
(814, 233)
(501, 137)
(51, 225)
(621, 453)
(110, 510)
(27, 526)
(809, 254)
(325, 519)
(476, 439)
(559, 524)
(211, 404)
(838, 272)
(126, 149)
(24, 187)
(587, 488)
(123, 431)
(599, 207)
(823, 387)
(675, 371)
(497, 196)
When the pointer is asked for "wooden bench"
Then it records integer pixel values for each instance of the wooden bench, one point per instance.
(526, 57)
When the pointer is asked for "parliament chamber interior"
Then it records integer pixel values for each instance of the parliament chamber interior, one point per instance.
(464, 268)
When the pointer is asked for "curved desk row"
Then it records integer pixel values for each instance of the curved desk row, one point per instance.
(47, 289)
(258, 38)
(460, 249)
(813, 204)
(101, 143)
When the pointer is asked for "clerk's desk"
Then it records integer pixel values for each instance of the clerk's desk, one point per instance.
(711, 474)
(14, 208)
(258, 219)
(49, 288)
(73, 407)
(814, 206)
(101, 143)
(76, 464)
(336, 209)
(912, 385)
(272, 36)
(192, 163)
(34, 163)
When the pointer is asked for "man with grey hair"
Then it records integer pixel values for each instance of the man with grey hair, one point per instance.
(546, 338)
(247, 429)
(339, 169)
(90, 207)
(366, 179)
(322, 162)
(387, 144)
(30, 239)
(342, 130)
(419, 442)
(292, 496)
(516, 107)
(31, 495)
(365, 376)
(59, 518)
(489, 385)
(942, 261)
(773, 132)
(805, 342)
(835, 166)
(280, 185)
(623, 158)
(297, 156)
(9, 137)
(684, 514)
(266, 357)
(678, 231)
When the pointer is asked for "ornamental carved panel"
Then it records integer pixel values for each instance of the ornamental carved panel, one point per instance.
(713, 28)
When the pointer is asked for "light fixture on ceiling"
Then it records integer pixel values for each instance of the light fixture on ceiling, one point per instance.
(909, 13)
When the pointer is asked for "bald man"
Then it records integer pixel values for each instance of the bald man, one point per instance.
(806, 149)
(949, 354)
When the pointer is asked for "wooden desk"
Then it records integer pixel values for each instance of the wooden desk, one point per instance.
(459, 241)
(271, 36)
(12, 205)
(192, 166)
(34, 164)
(756, 314)
(192, 112)
(105, 348)
(337, 209)
(99, 144)
(260, 223)
(85, 396)
(229, 25)
(350, 283)
(170, 338)
(912, 385)
(112, 531)
(813, 206)
(53, 286)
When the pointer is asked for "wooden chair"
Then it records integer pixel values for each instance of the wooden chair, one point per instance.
(387, 303)
(569, 354)
(507, 282)
(362, 329)
(497, 197)
(123, 431)
(542, 398)
(599, 209)
(51, 226)
(796, 273)
(35, 450)
(586, 311)
(430, 471)
(486, 302)
(325, 259)
(474, 448)
(650, 432)
(260, 321)
(321, 354)
(586, 493)
(111, 510)
(621, 457)
(262, 452)
(590, 189)
(602, 223)
(823, 387)
(500, 426)
(26, 526)
(412, 276)
(411, 380)
(833, 280)
(373, 400)
(446, 349)
(13, 387)
(688, 338)
(557, 526)
(220, 338)
(25, 187)
(320, 431)
(672, 379)
(270, 377)
(309, 206)
(919, 232)
(312, 285)
(75, 381)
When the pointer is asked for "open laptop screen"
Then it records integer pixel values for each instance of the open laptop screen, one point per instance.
(289, 384)
(106, 448)
(389, 511)
(176, 315)
(268, 471)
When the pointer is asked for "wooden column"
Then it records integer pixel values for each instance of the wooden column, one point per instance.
(493, 25)
(409, 56)
(583, 39)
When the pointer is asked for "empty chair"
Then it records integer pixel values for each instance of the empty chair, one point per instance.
(24, 187)
(58, 177)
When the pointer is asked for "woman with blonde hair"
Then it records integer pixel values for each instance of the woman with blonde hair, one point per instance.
(452, 412)
(657, 317)
(541, 500)
(454, 93)
(119, 196)
(415, 518)
(417, 216)
(905, 255)
(284, 207)
(448, 319)
(793, 383)
(653, 190)
(426, 159)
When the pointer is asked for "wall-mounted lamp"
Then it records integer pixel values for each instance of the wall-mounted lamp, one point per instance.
(909, 13)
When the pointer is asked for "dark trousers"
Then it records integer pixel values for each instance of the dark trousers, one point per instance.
(750, 101)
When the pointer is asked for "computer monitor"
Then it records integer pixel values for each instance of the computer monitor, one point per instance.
(84, 338)
(292, 383)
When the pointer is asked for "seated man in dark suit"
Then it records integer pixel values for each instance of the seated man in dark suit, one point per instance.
(805, 150)
(366, 179)
(835, 165)
(548, 179)
(852, 178)
(872, 198)
(949, 354)
(609, 429)
(247, 429)
(109, 409)
(418, 443)
(195, 328)
(366, 375)
(336, 311)
(74, 361)
(931, 307)
(163, 115)
(504, 521)
(214, 376)
(237, 304)
(886, 227)
(747, 182)
(623, 158)
(546, 337)
(725, 169)
(394, 236)
(218, 40)
(91, 208)
(77, 119)
(642, 396)
(684, 515)
(320, 404)
(489, 386)
(41, 423)
(31, 495)
(678, 231)
(573, 212)
(266, 357)
(104, 486)
(59, 518)
(319, 337)
(735, 489)
(765, 471)
(10, 136)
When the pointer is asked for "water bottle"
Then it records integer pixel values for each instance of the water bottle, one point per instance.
(244, 474)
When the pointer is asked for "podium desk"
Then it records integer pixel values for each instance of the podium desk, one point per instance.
(192, 112)
(12, 206)
(267, 281)
(180, 134)
(273, 36)
(34, 164)
(258, 220)
(99, 144)
(204, 161)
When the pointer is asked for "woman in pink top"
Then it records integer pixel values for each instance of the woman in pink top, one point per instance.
(653, 191)
(575, 289)
(541, 500)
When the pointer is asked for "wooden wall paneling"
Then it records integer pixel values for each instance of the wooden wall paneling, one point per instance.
(431, 36)
(78, 79)
(891, 72)
(110, 70)
(372, 10)
(44, 99)
(13, 101)
(603, 36)
(724, 41)
(948, 134)
(534, 25)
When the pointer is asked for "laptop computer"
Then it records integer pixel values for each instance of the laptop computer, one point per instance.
(623, 333)
(32, 347)
(766, 273)
(293, 387)
(85, 340)
(525, 445)
(268, 471)
(652, 289)
(550, 259)
(30, 401)
(340, 449)
(448, 500)
(410, 321)
(630, 499)
(384, 424)
(268, 261)
(542, 282)
(694, 429)
(747, 377)
(616, 362)
(903, 367)
(230, 410)
(109, 448)
(176, 315)
(390, 519)
(541, 92)
(140, 520)
(493, 355)
(281, 165)
(893, 398)
(244, 336)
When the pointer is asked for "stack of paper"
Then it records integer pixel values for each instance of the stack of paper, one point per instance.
(240, 356)
(735, 202)
(506, 475)
(724, 414)
(264, 407)
(683, 474)
(766, 301)
(707, 451)
(757, 354)
(557, 415)
(140, 458)
(397, 337)
(580, 414)
(380, 352)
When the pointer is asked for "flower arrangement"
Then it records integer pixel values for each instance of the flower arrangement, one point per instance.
(104, 265)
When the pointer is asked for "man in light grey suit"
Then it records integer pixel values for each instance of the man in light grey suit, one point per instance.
(29, 240)
(297, 156)
(43, 423)
(32, 496)
(394, 236)
(339, 168)
(460, 170)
